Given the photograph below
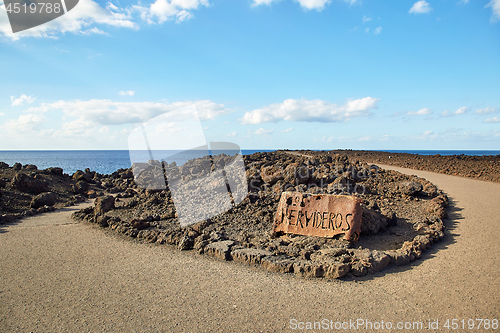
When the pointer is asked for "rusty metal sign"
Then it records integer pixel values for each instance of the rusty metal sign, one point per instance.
(322, 215)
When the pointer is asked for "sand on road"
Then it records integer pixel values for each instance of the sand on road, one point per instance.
(62, 276)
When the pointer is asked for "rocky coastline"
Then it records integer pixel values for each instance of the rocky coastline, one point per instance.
(402, 215)
(485, 167)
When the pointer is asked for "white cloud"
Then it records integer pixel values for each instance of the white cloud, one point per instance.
(495, 8)
(262, 131)
(263, 2)
(421, 112)
(164, 10)
(366, 19)
(306, 4)
(25, 123)
(106, 112)
(460, 111)
(420, 7)
(367, 30)
(311, 111)
(96, 123)
(486, 110)
(287, 130)
(492, 120)
(79, 21)
(21, 100)
(377, 30)
(127, 93)
(314, 4)
(93, 30)
(232, 134)
(2, 114)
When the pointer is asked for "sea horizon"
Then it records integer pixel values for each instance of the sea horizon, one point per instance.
(108, 161)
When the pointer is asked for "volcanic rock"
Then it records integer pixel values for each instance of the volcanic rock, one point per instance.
(81, 187)
(30, 184)
(44, 199)
(104, 204)
(410, 188)
(221, 250)
(279, 264)
(55, 171)
(249, 255)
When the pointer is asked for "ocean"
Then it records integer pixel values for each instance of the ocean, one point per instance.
(108, 161)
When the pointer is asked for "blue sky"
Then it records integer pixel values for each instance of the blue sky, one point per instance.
(264, 74)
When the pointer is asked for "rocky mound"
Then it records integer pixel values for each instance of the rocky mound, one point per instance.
(26, 191)
(478, 167)
(402, 215)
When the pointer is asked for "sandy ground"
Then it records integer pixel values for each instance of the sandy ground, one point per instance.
(58, 275)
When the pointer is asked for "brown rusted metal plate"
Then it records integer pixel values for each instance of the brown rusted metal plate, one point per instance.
(322, 215)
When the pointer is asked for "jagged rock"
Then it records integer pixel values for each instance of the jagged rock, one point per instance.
(198, 227)
(104, 204)
(249, 255)
(139, 225)
(378, 262)
(25, 183)
(55, 171)
(410, 188)
(328, 253)
(271, 174)
(398, 257)
(359, 268)
(43, 199)
(336, 270)
(3, 165)
(280, 263)
(30, 167)
(81, 187)
(308, 268)
(437, 207)
(103, 221)
(372, 222)
(221, 250)
(186, 243)
(80, 175)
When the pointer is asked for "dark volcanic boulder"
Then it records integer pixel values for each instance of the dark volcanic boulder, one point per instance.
(85, 176)
(410, 188)
(3, 165)
(104, 204)
(25, 183)
(372, 222)
(44, 199)
(17, 166)
(30, 167)
(55, 171)
(81, 187)
(2, 183)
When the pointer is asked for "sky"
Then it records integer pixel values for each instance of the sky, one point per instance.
(263, 74)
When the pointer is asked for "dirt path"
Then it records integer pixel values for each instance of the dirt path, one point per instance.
(58, 275)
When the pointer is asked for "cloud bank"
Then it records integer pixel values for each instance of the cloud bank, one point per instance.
(318, 5)
(21, 100)
(311, 111)
(88, 14)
